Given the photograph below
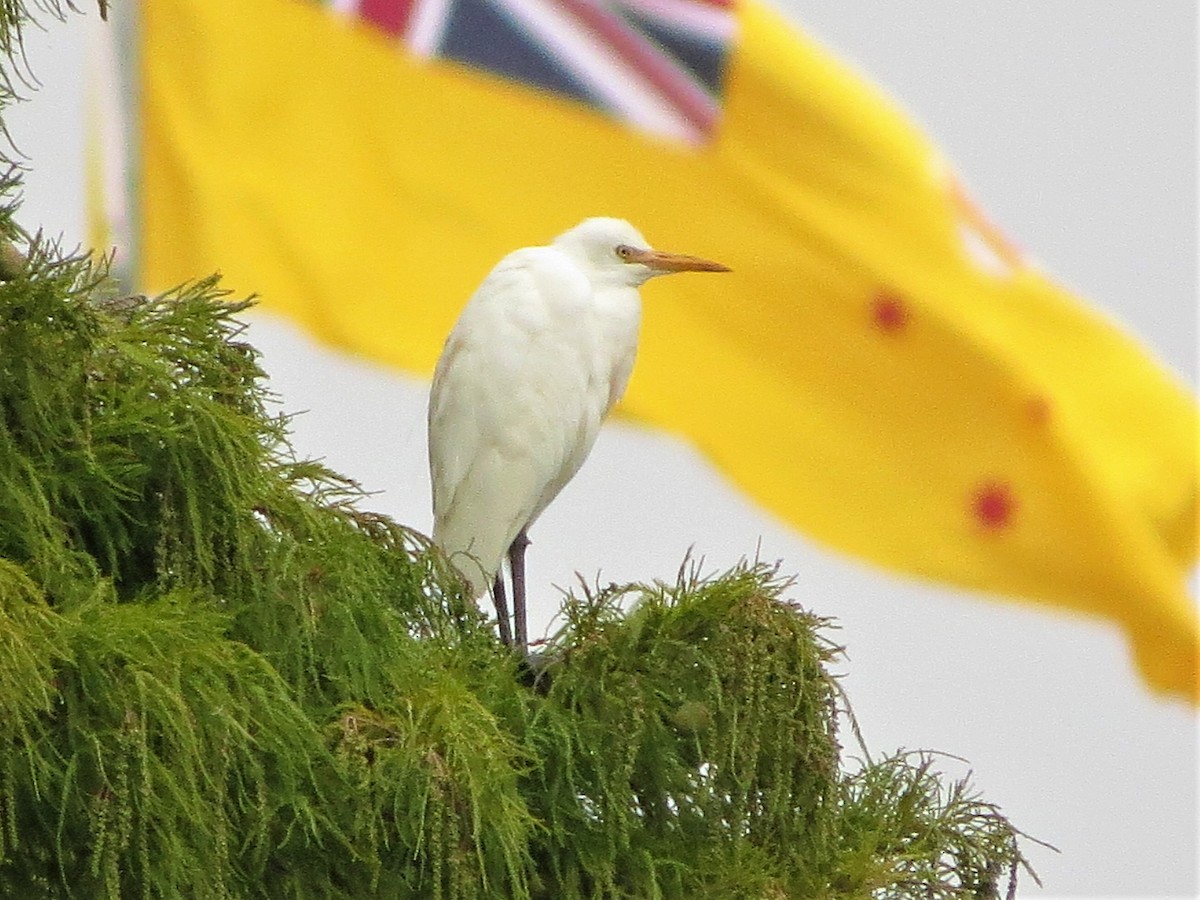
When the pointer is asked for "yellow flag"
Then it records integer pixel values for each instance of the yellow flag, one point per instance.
(883, 370)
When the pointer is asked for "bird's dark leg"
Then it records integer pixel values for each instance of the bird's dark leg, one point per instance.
(502, 609)
(516, 559)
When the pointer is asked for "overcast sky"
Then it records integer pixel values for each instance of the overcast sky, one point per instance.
(1074, 123)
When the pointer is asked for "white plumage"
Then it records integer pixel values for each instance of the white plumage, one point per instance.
(540, 354)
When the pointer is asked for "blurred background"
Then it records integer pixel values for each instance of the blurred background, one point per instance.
(1074, 124)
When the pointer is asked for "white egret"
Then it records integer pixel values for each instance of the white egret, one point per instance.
(539, 355)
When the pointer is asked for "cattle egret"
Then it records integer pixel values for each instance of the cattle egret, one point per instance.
(539, 355)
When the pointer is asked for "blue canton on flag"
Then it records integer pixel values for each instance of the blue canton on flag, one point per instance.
(657, 65)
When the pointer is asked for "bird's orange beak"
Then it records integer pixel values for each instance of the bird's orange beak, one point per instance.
(674, 262)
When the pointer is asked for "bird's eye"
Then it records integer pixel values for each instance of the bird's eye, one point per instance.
(624, 251)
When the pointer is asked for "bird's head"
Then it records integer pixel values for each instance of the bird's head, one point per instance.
(615, 252)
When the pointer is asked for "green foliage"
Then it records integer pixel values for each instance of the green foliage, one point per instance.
(715, 718)
(219, 677)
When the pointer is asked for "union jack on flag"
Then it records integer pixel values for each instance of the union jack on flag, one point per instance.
(657, 65)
